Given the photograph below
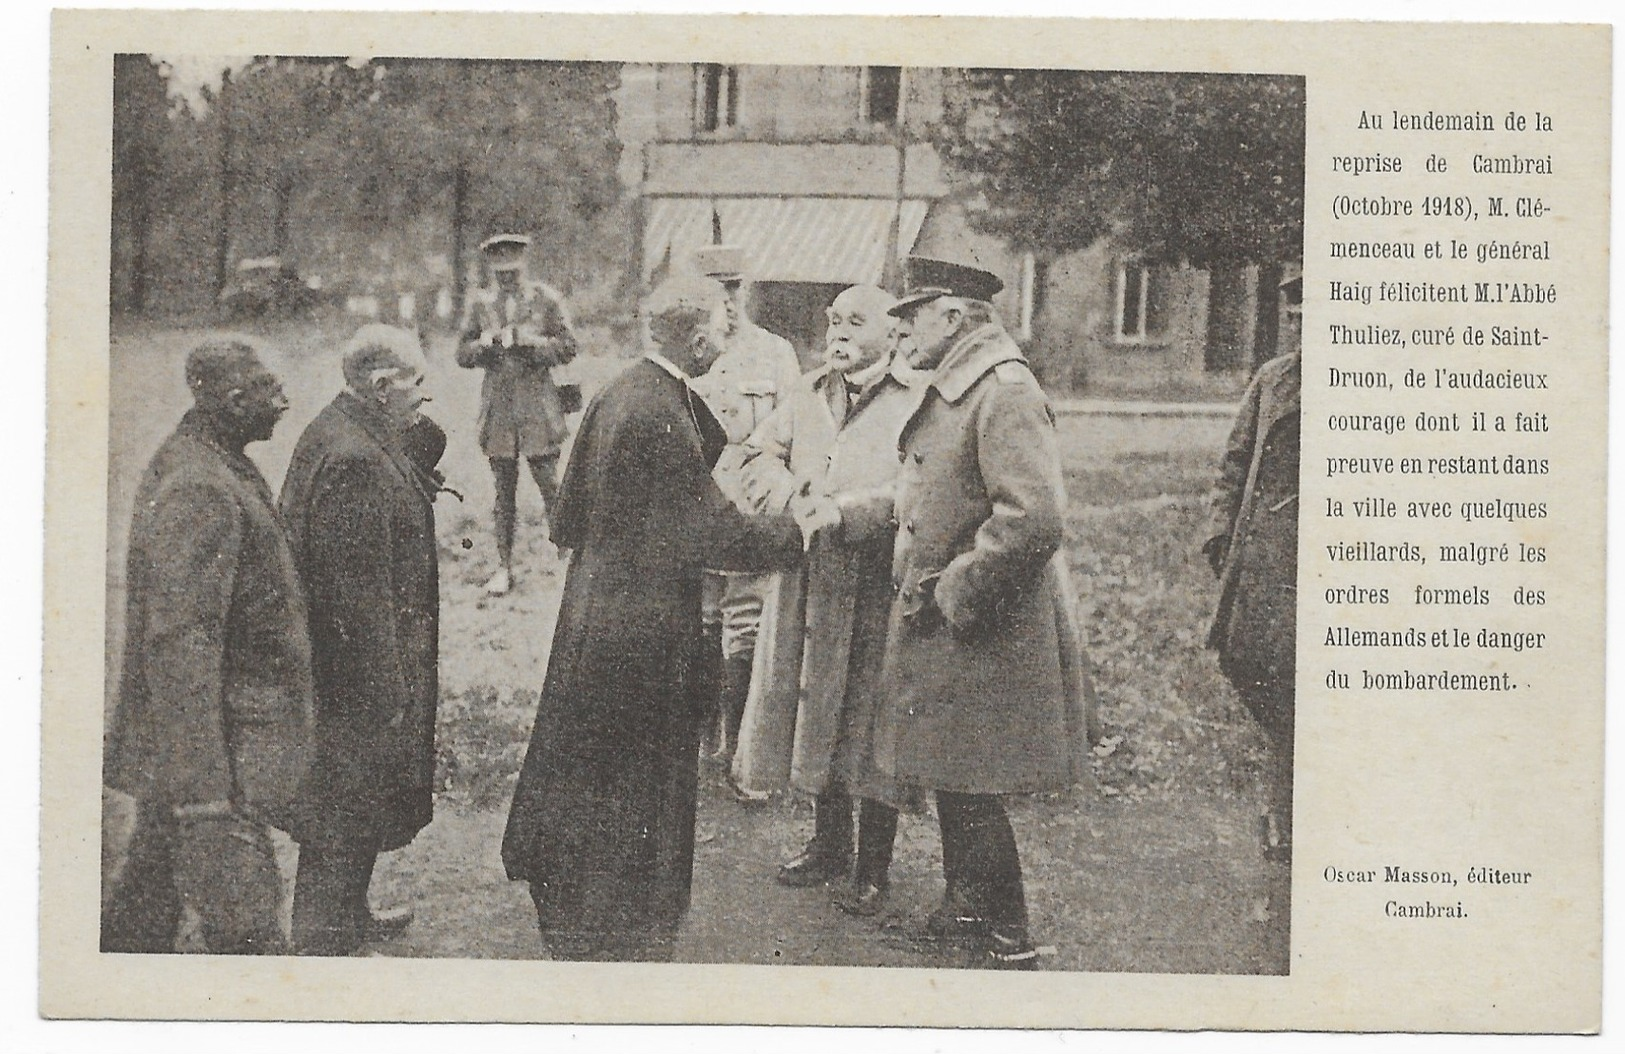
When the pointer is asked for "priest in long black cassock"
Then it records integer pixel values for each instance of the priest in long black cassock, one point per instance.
(602, 823)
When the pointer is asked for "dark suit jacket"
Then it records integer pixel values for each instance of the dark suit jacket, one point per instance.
(361, 521)
(214, 698)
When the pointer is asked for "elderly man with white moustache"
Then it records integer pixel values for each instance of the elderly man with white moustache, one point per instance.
(815, 685)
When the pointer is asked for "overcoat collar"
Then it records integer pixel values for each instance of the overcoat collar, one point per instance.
(196, 425)
(1281, 382)
(969, 360)
(383, 431)
(833, 385)
(713, 437)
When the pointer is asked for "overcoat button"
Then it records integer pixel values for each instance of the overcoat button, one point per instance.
(919, 459)
(909, 526)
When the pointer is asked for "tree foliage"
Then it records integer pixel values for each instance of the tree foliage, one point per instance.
(378, 165)
(1203, 168)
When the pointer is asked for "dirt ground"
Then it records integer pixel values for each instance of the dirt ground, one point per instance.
(1166, 880)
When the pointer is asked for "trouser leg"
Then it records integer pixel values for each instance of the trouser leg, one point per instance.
(226, 872)
(708, 677)
(330, 897)
(140, 912)
(734, 693)
(505, 473)
(977, 837)
(832, 824)
(708, 689)
(545, 471)
(1272, 706)
(877, 834)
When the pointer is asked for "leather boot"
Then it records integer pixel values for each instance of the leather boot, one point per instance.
(1010, 949)
(871, 880)
(731, 702)
(829, 854)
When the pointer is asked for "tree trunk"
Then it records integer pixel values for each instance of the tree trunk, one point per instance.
(139, 236)
(1228, 323)
(222, 229)
(459, 244)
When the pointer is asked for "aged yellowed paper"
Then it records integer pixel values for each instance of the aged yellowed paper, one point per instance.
(1166, 207)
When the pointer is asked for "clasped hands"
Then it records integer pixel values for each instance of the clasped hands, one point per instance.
(511, 337)
(814, 512)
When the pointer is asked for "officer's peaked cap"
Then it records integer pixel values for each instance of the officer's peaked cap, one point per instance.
(929, 278)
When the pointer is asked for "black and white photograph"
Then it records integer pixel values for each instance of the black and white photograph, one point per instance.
(787, 515)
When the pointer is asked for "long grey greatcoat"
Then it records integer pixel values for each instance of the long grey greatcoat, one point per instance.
(215, 693)
(602, 823)
(521, 412)
(815, 688)
(1255, 506)
(985, 685)
(361, 522)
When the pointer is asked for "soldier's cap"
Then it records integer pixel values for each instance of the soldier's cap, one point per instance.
(725, 263)
(928, 279)
(505, 252)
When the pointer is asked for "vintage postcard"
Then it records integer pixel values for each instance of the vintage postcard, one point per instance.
(826, 521)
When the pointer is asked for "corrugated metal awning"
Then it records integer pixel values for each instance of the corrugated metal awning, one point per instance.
(785, 239)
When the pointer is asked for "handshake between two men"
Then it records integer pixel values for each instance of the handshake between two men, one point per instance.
(815, 512)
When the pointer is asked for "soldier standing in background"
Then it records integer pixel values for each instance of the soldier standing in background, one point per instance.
(755, 373)
(1252, 546)
(517, 330)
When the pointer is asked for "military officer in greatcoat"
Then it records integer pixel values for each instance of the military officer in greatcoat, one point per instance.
(983, 681)
(517, 330)
(754, 375)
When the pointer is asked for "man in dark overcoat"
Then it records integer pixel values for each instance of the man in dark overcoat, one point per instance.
(979, 659)
(211, 730)
(602, 823)
(517, 330)
(360, 516)
(1252, 546)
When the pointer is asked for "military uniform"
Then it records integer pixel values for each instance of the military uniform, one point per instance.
(517, 337)
(981, 697)
(747, 383)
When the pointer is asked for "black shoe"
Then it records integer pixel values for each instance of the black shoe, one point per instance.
(953, 920)
(813, 867)
(1010, 952)
(386, 925)
(862, 898)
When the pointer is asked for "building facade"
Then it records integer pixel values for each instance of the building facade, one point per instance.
(827, 175)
